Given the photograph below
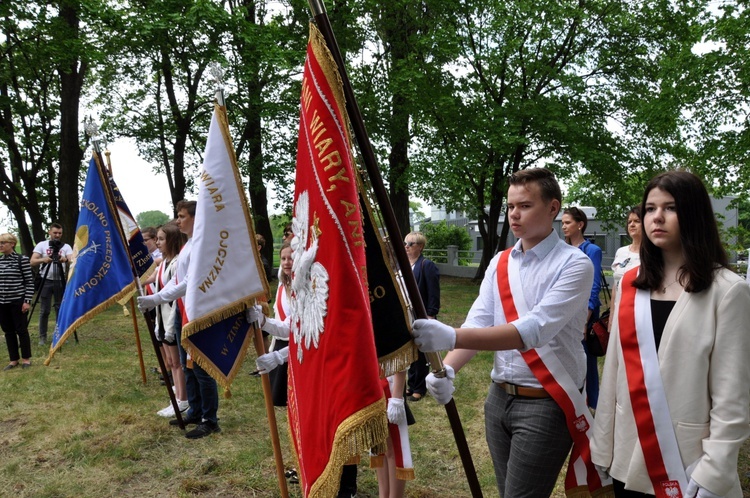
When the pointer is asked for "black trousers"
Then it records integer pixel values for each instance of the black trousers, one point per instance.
(13, 323)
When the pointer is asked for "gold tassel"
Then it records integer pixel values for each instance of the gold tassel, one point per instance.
(399, 360)
(405, 474)
(227, 393)
(376, 461)
(578, 492)
(604, 492)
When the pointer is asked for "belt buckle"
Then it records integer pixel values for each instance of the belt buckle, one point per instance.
(511, 389)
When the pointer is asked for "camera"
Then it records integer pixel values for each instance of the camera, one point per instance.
(55, 246)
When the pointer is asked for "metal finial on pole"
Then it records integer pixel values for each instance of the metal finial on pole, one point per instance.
(92, 130)
(217, 74)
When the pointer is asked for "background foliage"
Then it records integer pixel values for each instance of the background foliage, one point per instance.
(456, 96)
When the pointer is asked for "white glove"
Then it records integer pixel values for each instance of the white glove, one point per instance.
(433, 335)
(396, 411)
(602, 471)
(146, 303)
(267, 362)
(254, 314)
(441, 389)
(694, 490)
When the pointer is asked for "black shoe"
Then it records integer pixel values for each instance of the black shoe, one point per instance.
(203, 430)
(25, 365)
(9, 366)
(186, 421)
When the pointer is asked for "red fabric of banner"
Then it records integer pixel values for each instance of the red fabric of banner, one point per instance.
(336, 407)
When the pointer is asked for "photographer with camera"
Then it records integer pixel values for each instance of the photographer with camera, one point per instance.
(51, 254)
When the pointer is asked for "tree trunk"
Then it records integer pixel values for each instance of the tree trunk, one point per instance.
(71, 81)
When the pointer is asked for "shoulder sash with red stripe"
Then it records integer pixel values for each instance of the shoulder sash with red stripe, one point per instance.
(581, 477)
(279, 306)
(647, 396)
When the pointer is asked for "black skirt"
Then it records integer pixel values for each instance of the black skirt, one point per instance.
(278, 377)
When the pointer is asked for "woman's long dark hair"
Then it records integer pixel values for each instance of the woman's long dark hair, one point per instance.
(173, 238)
(699, 235)
(579, 217)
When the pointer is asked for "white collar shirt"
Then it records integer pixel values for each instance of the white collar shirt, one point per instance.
(556, 280)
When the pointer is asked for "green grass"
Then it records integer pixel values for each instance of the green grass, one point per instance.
(86, 426)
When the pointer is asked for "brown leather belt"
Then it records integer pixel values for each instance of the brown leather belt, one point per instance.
(527, 392)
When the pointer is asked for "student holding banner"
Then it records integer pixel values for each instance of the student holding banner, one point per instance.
(531, 310)
(674, 407)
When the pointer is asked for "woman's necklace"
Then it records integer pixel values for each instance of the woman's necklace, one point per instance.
(664, 289)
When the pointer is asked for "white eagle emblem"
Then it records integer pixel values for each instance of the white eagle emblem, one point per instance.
(581, 424)
(309, 301)
(672, 489)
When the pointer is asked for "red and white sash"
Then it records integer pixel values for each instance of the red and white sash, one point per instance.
(399, 434)
(279, 309)
(647, 396)
(581, 476)
(282, 303)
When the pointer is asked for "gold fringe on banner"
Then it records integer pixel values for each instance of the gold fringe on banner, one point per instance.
(363, 430)
(86, 317)
(399, 360)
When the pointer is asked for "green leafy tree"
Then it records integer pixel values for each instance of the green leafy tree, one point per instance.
(266, 51)
(154, 218)
(441, 235)
(44, 60)
(534, 83)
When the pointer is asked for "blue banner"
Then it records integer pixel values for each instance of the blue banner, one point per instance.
(221, 344)
(100, 272)
(142, 260)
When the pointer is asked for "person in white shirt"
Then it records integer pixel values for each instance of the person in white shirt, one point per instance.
(628, 257)
(50, 255)
(202, 391)
(526, 430)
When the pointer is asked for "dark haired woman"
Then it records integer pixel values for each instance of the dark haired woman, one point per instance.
(675, 400)
(628, 256)
(170, 240)
(574, 222)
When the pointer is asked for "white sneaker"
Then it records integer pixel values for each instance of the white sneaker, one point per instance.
(183, 405)
(167, 412)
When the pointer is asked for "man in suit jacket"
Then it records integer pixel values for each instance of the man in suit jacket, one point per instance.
(427, 276)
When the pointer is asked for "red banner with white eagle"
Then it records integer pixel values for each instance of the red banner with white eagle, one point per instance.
(336, 406)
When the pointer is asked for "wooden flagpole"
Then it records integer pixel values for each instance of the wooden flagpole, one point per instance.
(132, 303)
(138, 343)
(92, 130)
(260, 349)
(368, 156)
(271, 414)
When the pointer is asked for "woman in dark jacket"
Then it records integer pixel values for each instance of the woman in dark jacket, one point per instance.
(427, 276)
(16, 291)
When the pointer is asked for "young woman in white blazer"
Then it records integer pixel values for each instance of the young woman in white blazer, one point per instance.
(674, 407)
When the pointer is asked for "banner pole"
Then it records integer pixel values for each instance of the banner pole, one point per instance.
(104, 178)
(138, 340)
(271, 415)
(368, 156)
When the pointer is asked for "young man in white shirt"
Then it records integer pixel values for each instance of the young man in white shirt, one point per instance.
(202, 391)
(526, 430)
